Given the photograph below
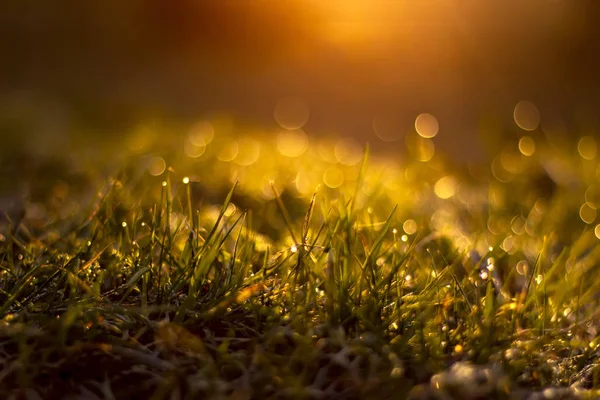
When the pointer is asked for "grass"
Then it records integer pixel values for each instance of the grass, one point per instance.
(232, 279)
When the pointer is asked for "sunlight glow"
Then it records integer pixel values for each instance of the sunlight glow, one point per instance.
(355, 22)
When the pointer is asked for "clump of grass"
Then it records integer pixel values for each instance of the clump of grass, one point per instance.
(148, 289)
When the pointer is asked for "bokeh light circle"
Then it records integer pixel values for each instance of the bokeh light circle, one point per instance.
(292, 143)
(248, 152)
(385, 128)
(527, 146)
(157, 166)
(526, 116)
(348, 151)
(511, 160)
(587, 147)
(522, 267)
(229, 151)
(291, 113)
(587, 213)
(445, 187)
(193, 151)
(427, 125)
(410, 226)
(592, 196)
(202, 133)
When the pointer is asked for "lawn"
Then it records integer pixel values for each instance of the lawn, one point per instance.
(259, 266)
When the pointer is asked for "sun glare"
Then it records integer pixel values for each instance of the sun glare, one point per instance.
(355, 22)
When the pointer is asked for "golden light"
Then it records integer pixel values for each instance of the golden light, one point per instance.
(410, 226)
(202, 133)
(355, 22)
(421, 149)
(248, 152)
(427, 125)
(527, 146)
(445, 187)
(266, 188)
(348, 151)
(230, 210)
(193, 151)
(512, 161)
(291, 113)
(292, 143)
(526, 116)
(229, 152)
(303, 183)
(333, 177)
(326, 151)
(141, 138)
(222, 125)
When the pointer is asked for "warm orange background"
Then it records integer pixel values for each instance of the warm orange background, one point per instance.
(468, 62)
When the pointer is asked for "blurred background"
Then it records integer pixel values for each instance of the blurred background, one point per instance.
(358, 68)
